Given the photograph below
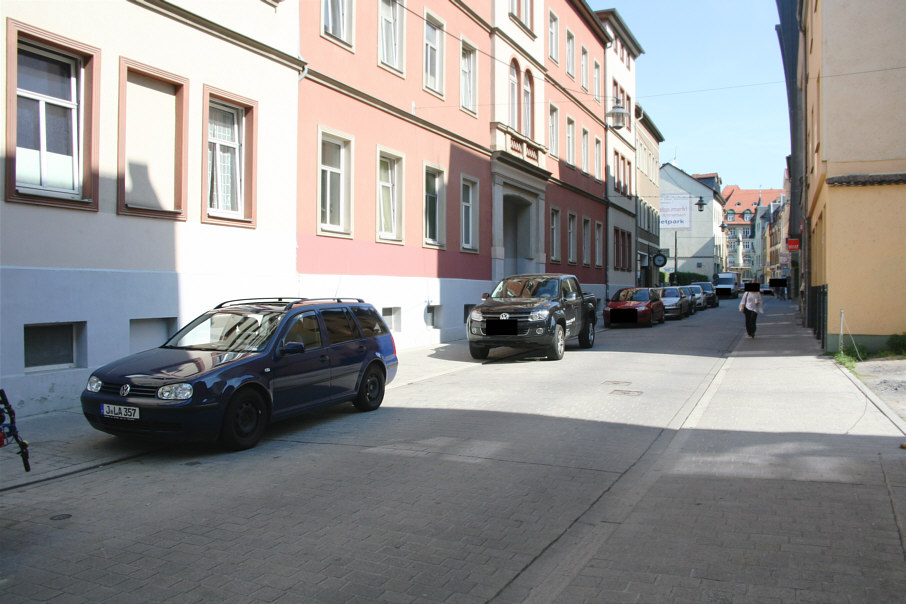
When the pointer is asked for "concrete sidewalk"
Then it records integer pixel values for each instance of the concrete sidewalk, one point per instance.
(784, 482)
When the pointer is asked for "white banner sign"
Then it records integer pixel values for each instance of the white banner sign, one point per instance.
(676, 212)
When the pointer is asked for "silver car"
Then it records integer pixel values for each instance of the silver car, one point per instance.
(676, 303)
(701, 302)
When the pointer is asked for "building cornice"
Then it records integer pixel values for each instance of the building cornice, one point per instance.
(866, 180)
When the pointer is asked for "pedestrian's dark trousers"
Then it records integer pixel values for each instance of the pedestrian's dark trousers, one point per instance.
(751, 317)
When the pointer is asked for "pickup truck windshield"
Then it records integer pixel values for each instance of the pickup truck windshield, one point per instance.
(527, 288)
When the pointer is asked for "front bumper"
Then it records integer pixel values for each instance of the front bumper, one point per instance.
(529, 334)
(183, 423)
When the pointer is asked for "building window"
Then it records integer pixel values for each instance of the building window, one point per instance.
(232, 131)
(391, 33)
(747, 215)
(392, 316)
(586, 241)
(553, 37)
(598, 158)
(522, 10)
(731, 216)
(434, 207)
(570, 142)
(596, 83)
(514, 96)
(599, 244)
(571, 235)
(583, 68)
(389, 198)
(528, 105)
(468, 79)
(432, 316)
(434, 56)
(469, 214)
(553, 134)
(584, 150)
(52, 120)
(52, 346)
(555, 235)
(338, 19)
(335, 170)
(152, 175)
(570, 54)
(622, 250)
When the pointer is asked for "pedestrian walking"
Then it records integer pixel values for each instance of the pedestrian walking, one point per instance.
(752, 306)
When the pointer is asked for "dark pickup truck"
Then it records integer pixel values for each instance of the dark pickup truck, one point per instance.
(533, 311)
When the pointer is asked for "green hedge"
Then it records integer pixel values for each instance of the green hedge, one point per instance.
(684, 278)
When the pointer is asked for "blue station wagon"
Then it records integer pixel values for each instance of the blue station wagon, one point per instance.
(243, 364)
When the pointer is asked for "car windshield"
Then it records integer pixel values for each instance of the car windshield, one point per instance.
(228, 331)
(671, 292)
(526, 287)
(706, 287)
(634, 295)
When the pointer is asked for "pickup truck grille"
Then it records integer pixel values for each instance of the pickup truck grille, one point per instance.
(519, 315)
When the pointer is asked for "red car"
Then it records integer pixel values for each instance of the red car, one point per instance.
(641, 305)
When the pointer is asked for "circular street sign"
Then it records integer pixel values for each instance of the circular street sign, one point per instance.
(659, 260)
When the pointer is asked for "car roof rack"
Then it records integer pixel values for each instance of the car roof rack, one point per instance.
(286, 302)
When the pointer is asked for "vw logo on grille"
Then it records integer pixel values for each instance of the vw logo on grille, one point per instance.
(504, 316)
(124, 390)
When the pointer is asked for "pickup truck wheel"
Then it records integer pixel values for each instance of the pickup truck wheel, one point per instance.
(587, 337)
(478, 352)
(557, 345)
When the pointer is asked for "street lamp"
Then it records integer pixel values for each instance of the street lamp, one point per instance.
(618, 115)
(700, 204)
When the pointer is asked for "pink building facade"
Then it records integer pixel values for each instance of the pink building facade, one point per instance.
(443, 146)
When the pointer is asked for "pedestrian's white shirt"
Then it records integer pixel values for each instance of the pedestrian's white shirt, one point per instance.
(752, 301)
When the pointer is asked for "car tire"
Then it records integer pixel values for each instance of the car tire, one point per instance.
(371, 390)
(478, 352)
(587, 337)
(650, 322)
(558, 344)
(244, 421)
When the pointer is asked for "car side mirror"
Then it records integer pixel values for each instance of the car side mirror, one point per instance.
(571, 295)
(293, 348)
(485, 296)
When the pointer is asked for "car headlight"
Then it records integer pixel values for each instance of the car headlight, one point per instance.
(94, 384)
(539, 315)
(476, 315)
(175, 392)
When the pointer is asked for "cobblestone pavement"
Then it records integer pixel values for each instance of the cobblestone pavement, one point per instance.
(781, 479)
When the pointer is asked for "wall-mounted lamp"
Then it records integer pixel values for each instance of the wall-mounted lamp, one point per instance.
(618, 116)
(700, 204)
(723, 226)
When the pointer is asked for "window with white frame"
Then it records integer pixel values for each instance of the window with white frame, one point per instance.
(598, 158)
(338, 19)
(586, 241)
(389, 197)
(570, 142)
(225, 147)
(553, 133)
(514, 96)
(528, 104)
(468, 83)
(599, 244)
(47, 124)
(571, 235)
(469, 214)
(596, 82)
(391, 33)
(434, 55)
(583, 68)
(553, 37)
(335, 204)
(584, 150)
(570, 53)
(434, 206)
(555, 235)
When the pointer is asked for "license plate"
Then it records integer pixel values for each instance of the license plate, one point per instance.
(501, 327)
(119, 411)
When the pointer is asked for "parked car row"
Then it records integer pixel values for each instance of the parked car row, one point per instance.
(650, 305)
